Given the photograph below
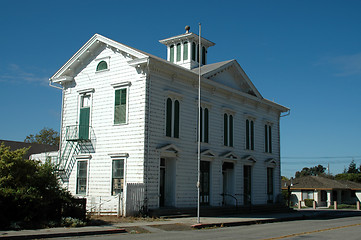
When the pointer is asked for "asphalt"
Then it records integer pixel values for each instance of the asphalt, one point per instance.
(177, 224)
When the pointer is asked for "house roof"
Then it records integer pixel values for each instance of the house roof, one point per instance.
(34, 147)
(319, 183)
(137, 57)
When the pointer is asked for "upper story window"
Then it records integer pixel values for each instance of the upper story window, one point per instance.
(120, 106)
(204, 125)
(203, 55)
(172, 118)
(268, 138)
(102, 65)
(185, 51)
(250, 134)
(194, 51)
(179, 52)
(228, 130)
(171, 53)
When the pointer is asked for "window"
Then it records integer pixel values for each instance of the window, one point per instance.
(171, 53)
(178, 52)
(117, 176)
(185, 51)
(120, 106)
(84, 117)
(270, 185)
(267, 138)
(205, 182)
(228, 130)
(307, 195)
(102, 65)
(204, 125)
(249, 134)
(81, 177)
(203, 55)
(193, 51)
(247, 184)
(172, 118)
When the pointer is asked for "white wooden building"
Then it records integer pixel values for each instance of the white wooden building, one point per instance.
(129, 129)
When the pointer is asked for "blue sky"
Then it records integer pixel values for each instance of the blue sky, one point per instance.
(305, 55)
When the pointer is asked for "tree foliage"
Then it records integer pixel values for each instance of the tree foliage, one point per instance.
(313, 171)
(351, 174)
(45, 136)
(29, 191)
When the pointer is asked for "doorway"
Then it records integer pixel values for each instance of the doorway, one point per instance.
(167, 182)
(228, 183)
(205, 182)
(247, 185)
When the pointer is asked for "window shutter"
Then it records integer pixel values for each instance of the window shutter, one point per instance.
(247, 134)
(178, 52)
(252, 135)
(203, 55)
(171, 57)
(185, 51)
(206, 125)
(225, 129)
(270, 138)
(265, 138)
(202, 125)
(230, 130)
(193, 51)
(169, 118)
(176, 119)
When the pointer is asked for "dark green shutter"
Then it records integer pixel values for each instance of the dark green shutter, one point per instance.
(225, 129)
(193, 51)
(185, 51)
(176, 119)
(252, 135)
(178, 52)
(265, 138)
(230, 130)
(171, 57)
(270, 139)
(247, 134)
(169, 118)
(201, 127)
(203, 55)
(84, 123)
(206, 125)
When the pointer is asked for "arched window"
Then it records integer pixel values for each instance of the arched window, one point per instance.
(203, 55)
(193, 51)
(185, 51)
(178, 52)
(102, 66)
(171, 54)
(172, 118)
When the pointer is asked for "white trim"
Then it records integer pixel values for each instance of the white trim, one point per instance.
(118, 155)
(85, 91)
(121, 84)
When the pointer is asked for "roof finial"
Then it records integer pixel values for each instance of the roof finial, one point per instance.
(187, 28)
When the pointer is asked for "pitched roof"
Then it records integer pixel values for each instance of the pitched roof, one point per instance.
(320, 183)
(34, 147)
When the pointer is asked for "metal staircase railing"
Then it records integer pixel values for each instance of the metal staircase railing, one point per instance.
(77, 139)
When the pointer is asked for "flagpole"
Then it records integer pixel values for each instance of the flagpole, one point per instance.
(199, 125)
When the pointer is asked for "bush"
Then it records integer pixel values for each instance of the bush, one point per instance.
(309, 202)
(30, 194)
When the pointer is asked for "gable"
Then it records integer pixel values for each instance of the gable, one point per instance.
(87, 52)
(230, 74)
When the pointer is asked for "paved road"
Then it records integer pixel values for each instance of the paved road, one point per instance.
(340, 228)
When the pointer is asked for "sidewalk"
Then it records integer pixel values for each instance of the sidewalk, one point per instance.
(176, 224)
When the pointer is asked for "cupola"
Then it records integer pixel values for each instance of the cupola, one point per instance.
(183, 50)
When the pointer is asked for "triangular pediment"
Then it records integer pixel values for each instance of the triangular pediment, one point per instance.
(230, 74)
(87, 51)
(249, 159)
(230, 156)
(271, 162)
(208, 154)
(169, 150)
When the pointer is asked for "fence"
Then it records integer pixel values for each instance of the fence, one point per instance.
(135, 198)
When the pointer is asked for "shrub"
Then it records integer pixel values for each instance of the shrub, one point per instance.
(30, 194)
(309, 202)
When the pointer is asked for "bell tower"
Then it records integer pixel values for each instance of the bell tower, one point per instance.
(183, 49)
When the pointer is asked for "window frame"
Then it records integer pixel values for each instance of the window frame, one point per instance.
(228, 129)
(249, 134)
(172, 118)
(100, 60)
(119, 87)
(113, 193)
(268, 138)
(78, 178)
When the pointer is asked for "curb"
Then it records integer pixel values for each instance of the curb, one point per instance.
(67, 234)
(245, 223)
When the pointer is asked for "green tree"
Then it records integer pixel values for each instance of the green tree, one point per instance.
(352, 168)
(313, 171)
(45, 136)
(29, 191)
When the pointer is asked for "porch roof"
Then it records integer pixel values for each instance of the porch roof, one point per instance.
(319, 183)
